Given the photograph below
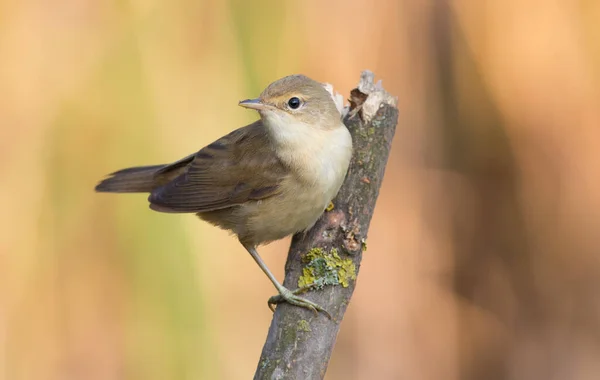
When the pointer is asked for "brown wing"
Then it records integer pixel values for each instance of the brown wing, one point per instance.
(235, 169)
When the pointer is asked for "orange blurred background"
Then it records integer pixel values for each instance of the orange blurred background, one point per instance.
(483, 257)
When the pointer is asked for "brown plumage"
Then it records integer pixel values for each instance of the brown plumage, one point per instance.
(262, 182)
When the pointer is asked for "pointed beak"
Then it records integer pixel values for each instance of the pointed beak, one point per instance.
(255, 104)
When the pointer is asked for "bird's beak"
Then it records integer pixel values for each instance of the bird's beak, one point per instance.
(255, 104)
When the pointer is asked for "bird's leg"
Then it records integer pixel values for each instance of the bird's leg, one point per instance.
(285, 295)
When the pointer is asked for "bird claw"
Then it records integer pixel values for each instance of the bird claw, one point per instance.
(292, 298)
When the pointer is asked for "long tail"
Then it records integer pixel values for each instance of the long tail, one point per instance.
(139, 179)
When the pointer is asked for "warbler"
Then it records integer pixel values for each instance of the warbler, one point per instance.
(262, 182)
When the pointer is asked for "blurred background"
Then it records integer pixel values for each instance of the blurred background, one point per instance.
(484, 251)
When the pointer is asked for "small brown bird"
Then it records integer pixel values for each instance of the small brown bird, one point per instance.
(262, 182)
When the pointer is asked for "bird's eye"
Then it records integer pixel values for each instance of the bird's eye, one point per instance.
(294, 103)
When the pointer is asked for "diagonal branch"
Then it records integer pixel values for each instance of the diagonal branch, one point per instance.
(299, 343)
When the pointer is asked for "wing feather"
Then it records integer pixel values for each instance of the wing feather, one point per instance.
(235, 169)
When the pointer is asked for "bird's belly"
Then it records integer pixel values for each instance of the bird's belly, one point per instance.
(281, 216)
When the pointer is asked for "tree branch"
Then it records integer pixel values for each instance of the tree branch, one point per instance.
(299, 343)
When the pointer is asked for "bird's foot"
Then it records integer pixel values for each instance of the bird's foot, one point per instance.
(291, 297)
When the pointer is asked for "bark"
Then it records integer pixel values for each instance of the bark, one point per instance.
(299, 343)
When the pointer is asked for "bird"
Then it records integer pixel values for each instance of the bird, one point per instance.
(262, 182)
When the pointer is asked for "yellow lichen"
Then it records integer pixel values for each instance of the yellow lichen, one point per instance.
(303, 325)
(347, 272)
(326, 268)
(330, 206)
(307, 277)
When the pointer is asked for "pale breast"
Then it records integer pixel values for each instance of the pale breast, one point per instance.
(276, 218)
(320, 169)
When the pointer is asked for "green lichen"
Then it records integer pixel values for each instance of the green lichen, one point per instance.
(326, 268)
(303, 325)
(363, 244)
(361, 157)
(264, 363)
(366, 133)
(289, 336)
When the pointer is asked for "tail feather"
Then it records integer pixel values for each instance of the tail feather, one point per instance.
(140, 179)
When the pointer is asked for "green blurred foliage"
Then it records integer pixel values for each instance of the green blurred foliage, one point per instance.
(483, 250)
